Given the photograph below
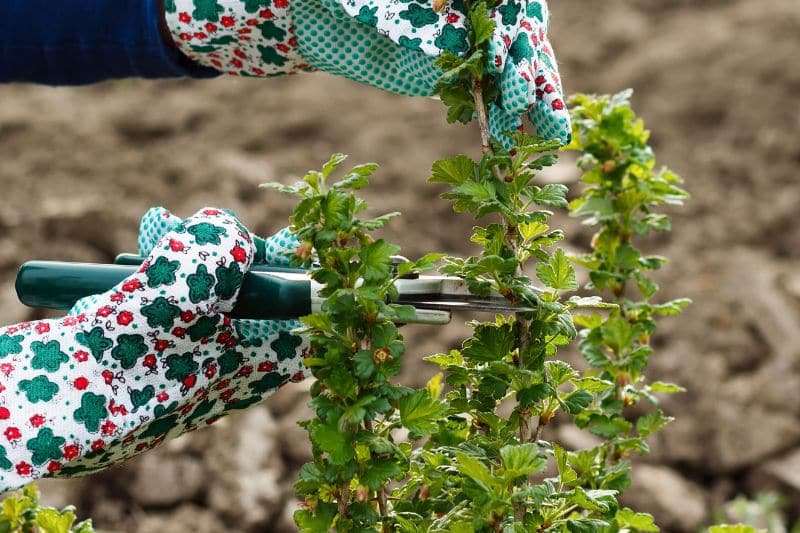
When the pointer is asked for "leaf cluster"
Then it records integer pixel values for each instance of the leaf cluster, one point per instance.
(20, 512)
(356, 347)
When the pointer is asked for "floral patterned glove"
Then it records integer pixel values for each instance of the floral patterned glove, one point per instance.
(150, 359)
(520, 53)
(390, 45)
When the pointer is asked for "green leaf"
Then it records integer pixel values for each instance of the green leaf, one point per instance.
(738, 528)
(363, 364)
(576, 401)
(333, 441)
(630, 519)
(472, 468)
(320, 521)
(420, 413)
(560, 372)
(379, 222)
(52, 521)
(532, 394)
(602, 501)
(376, 261)
(669, 388)
(565, 472)
(459, 102)
(594, 207)
(551, 195)
(587, 525)
(379, 472)
(491, 342)
(454, 171)
(593, 384)
(522, 459)
(332, 164)
(481, 27)
(652, 422)
(557, 273)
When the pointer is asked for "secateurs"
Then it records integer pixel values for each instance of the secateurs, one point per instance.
(267, 293)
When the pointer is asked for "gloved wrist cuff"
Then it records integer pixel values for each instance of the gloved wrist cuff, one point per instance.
(237, 37)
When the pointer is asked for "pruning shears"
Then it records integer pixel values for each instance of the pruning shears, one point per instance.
(267, 293)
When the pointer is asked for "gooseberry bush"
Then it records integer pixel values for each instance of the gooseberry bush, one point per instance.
(472, 451)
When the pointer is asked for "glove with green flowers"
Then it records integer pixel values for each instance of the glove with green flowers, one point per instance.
(150, 359)
(392, 45)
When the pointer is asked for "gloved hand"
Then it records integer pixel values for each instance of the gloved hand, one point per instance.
(390, 45)
(150, 359)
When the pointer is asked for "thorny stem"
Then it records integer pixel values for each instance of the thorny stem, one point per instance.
(381, 490)
(483, 120)
(524, 338)
(344, 498)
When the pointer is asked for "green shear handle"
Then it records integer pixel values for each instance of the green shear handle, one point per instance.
(267, 293)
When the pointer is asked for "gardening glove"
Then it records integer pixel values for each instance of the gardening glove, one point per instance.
(150, 359)
(389, 45)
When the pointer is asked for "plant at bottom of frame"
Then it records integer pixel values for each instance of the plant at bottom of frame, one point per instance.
(20, 512)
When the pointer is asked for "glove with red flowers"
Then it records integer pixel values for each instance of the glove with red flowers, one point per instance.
(389, 45)
(150, 359)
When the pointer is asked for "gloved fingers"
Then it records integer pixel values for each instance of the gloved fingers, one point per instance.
(155, 223)
(408, 24)
(356, 50)
(507, 17)
(277, 249)
(502, 123)
(549, 114)
(517, 89)
(274, 250)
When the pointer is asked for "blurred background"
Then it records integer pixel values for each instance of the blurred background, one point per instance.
(717, 81)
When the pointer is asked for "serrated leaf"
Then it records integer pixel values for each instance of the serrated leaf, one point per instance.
(490, 342)
(331, 440)
(446, 359)
(652, 422)
(669, 388)
(420, 413)
(332, 164)
(591, 302)
(630, 519)
(602, 501)
(560, 372)
(738, 528)
(593, 384)
(379, 222)
(576, 401)
(320, 521)
(376, 260)
(587, 525)
(532, 394)
(557, 273)
(565, 472)
(481, 27)
(434, 386)
(454, 171)
(471, 467)
(52, 521)
(551, 195)
(522, 459)
(379, 471)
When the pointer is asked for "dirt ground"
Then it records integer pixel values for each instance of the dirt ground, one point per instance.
(717, 82)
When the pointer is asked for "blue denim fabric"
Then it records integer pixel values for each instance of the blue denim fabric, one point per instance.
(75, 42)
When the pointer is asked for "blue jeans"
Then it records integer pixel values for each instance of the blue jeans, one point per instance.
(75, 42)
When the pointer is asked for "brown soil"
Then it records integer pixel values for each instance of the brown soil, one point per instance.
(716, 81)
